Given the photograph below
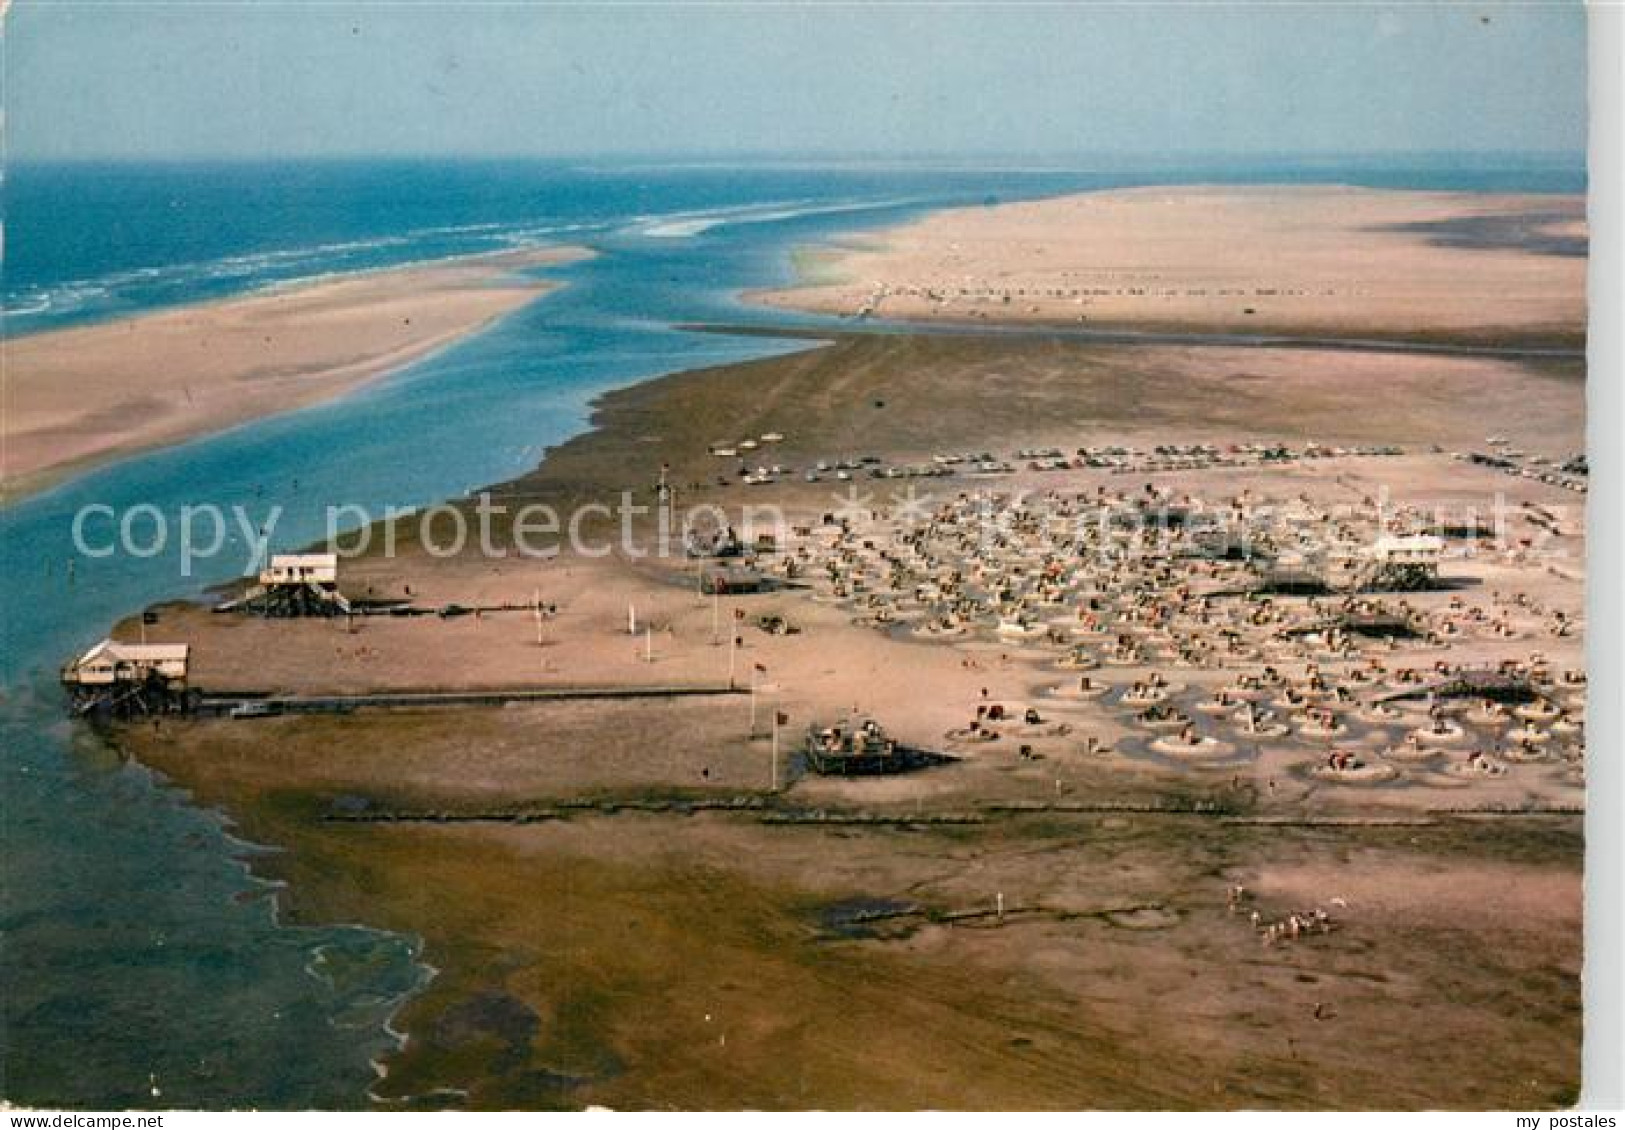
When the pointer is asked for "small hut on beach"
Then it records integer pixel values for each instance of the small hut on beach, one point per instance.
(129, 679)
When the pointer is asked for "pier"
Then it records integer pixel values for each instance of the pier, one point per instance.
(254, 704)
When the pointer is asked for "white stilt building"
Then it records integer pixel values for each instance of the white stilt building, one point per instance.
(128, 679)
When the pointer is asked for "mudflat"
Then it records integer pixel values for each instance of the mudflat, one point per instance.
(629, 903)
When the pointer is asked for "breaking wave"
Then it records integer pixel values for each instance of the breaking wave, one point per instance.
(688, 225)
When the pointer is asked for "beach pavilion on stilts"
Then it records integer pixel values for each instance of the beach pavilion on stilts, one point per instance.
(296, 584)
(130, 680)
(1407, 563)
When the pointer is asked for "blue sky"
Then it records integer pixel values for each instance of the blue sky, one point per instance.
(191, 80)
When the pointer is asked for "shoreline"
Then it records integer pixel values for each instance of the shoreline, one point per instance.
(71, 404)
(569, 1015)
(1171, 335)
(742, 890)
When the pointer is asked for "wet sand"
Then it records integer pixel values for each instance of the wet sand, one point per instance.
(1321, 261)
(79, 397)
(649, 960)
(605, 933)
(632, 904)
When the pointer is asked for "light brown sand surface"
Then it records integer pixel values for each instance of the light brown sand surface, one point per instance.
(76, 397)
(601, 939)
(1327, 261)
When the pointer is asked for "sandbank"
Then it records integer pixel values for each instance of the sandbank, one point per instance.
(79, 397)
(1325, 261)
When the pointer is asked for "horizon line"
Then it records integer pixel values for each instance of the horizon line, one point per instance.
(1060, 160)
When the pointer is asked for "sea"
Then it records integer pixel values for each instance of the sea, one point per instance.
(142, 962)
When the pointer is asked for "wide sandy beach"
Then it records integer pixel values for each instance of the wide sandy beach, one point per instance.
(78, 397)
(603, 935)
(1324, 261)
(628, 905)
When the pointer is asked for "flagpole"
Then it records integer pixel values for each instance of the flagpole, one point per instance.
(753, 701)
(775, 753)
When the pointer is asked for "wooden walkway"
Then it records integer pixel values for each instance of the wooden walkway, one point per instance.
(266, 705)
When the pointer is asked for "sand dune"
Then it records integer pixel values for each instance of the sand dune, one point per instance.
(78, 397)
